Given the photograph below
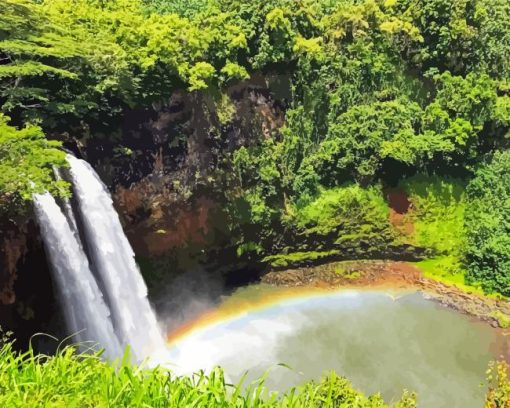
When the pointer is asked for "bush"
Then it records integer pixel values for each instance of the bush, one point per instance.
(350, 221)
(437, 213)
(345, 210)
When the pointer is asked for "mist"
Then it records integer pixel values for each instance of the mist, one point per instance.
(186, 297)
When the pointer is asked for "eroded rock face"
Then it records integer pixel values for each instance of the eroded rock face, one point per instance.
(180, 201)
(163, 228)
(168, 168)
(12, 248)
(27, 302)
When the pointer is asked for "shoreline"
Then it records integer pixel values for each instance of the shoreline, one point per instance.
(381, 274)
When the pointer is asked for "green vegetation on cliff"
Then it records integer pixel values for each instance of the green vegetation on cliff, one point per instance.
(488, 225)
(379, 95)
(26, 160)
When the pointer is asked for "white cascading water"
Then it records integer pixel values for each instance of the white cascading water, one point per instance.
(67, 208)
(102, 292)
(86, 314)
(113, 262)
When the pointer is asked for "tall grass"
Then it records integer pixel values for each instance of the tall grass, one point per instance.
(70, 380)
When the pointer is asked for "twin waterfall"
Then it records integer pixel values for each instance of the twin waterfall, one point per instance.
(102, 292)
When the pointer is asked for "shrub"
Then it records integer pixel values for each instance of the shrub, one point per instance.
(349, 221)
(437, 213)
(26, 160)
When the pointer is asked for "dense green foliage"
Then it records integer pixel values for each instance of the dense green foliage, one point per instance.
(69, 380)
(348, 222)
(26, 160)
(488, 225)
(379, 90)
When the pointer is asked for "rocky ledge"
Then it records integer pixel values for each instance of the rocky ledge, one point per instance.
(395, 275)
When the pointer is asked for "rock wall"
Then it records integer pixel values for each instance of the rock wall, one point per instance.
(168, 169)
(174, 207)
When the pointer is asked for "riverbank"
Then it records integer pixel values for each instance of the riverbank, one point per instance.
(395, 275)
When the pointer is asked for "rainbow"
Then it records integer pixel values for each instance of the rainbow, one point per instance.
(236, 307)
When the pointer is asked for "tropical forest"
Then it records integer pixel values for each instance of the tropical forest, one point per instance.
(255, 203)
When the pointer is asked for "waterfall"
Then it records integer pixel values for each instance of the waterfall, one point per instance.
(113, 258)
(101, 271)
(85, 312)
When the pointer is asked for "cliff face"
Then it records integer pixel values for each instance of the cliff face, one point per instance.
(13, 245)
(168, 169)
(27, 302)
(173, 206)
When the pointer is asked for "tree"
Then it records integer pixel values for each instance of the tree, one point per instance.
(27, 159)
